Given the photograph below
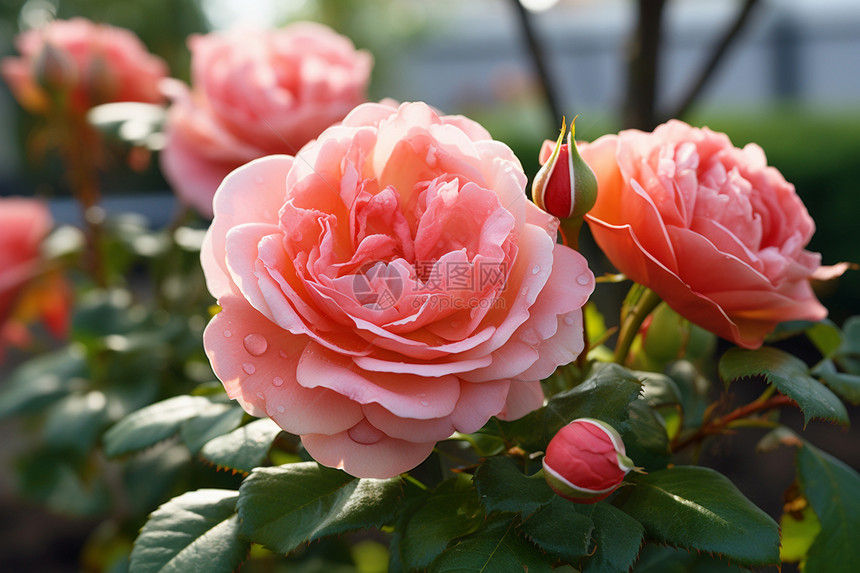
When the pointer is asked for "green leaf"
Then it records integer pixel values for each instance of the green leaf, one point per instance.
(286, 506)
(452, 510)
(698, 508)
(605, 395)
(152, 477)
(654, 559)
(848, 353)
(789, 375)
(798, 531)
(560, 530)
(658, 389)
(694, 389)
(617, 538)
(833, 491)
(45, 477)
(197, 531)
(502, 487)
(216, 420)
(646, 441)
(244, 448)
(846, 385)
(74, 422)
(825, 336)
(43, 380)
(495, 548)
(150, 425)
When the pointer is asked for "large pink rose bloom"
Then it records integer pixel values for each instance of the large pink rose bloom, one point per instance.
(388, 286)
(711, 228)
(256, 93)
(92, 63)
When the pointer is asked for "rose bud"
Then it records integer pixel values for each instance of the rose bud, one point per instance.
(565, 186)
(585, 461)
(54, 70)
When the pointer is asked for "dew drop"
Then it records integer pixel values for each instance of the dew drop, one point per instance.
(525, 291)
(260, 396)
(297, 236)
(283, 354)
(583, 279)
(249, 368)
(535, 269)
(277, 381)
(424, 403)
(568, 320)
(280, 409)
(530, 337)
(227, 334)
(255, 344)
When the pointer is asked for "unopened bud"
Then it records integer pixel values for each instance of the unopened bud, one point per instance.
(586, 461)
(565, 186)
(54, 70)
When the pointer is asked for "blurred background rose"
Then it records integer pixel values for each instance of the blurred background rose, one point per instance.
(256, 92)
(80, 64)
(26, 291)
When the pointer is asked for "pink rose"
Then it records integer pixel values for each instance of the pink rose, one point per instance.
(710, 228)
(387, 287)
(88, 63)
(256, 93)
(24, 223)
(586, 461)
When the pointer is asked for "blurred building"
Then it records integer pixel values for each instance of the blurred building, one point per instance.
(804, 51)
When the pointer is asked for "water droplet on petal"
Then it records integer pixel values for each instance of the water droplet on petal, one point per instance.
(255, 344)
(280, 409)
(535, 269)
(277, 381)
(297, 236)
(583, 279)
(283, 354)
(568, 320)
(249, 368)
(530, 337)
(260, 396)
(525, 291)
(424, 403)
(227, 334)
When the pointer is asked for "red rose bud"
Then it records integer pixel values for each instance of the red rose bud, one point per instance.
(585, 461)
(565, 186)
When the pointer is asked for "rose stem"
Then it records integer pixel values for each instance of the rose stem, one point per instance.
(718, 425)
(79, 144)
(646, 300)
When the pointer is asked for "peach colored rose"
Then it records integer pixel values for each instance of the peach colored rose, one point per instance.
(24, 223)
(387, 287)
(89, 63)
(256, 93)
(709, 227)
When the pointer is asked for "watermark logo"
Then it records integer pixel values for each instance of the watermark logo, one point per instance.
(447, 285)
(377, 286)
